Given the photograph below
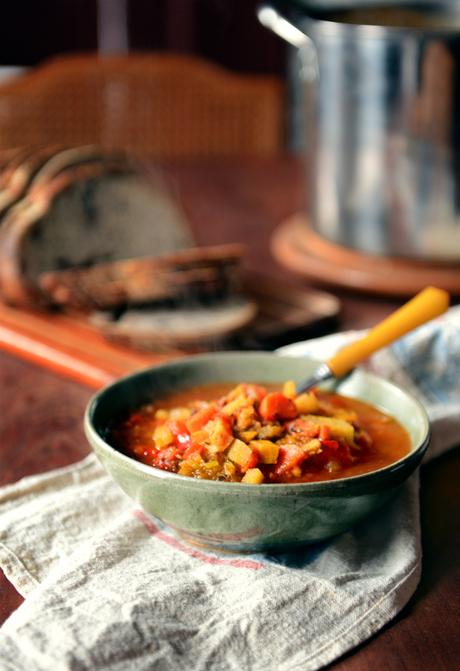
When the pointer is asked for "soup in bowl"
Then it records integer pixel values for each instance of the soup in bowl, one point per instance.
(222, 448)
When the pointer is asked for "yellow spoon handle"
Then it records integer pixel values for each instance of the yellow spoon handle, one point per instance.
(426, 305)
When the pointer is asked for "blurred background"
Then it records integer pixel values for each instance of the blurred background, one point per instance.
(332, 124)
(222, 34)
(224, 31)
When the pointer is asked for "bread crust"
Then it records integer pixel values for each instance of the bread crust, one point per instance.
(16, 287)
(18, 168)
(202, 272)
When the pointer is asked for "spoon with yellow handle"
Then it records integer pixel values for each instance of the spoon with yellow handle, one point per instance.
(426, 305)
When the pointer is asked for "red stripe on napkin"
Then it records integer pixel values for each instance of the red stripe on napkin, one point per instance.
(197, 554)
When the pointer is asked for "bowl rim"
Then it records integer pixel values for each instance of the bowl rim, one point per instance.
(322, 486)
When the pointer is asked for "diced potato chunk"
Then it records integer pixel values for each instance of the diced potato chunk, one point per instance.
(247, 436)
(268, 451)
(212, 468)
(239, 453)
(253, 476)
(245, 418)
(163, 436)
(220, 434)
(229, 468)
(161, 414)
(306, 403)
(271, 431)
(191, 465)
(236, 391)
(200, 436)
(289, 389)
(232, 406)
(339, 427)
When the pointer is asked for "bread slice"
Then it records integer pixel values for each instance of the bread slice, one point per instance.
(84, 215)
(203, 272)
(190, 326)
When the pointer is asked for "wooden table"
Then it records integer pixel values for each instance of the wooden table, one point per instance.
(41, 413)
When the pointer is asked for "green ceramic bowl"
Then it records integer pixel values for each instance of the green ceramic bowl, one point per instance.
(236, 516)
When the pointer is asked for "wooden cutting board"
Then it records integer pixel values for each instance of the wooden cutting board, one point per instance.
(70, 346)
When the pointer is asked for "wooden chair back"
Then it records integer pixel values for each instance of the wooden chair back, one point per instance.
(161, 105)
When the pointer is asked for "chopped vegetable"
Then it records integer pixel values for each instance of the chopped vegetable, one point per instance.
(277, 406)
(338, 428)
(255, 435)
(163, 436)
(201, 417)
(306, 403)
(180, 433)
(267, 451)
(289, 389)
(247, 436)
(253, 476)
(220, 433)
(290, 456)
(242, 455)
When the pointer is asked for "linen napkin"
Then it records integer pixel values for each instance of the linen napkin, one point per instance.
(107, 587)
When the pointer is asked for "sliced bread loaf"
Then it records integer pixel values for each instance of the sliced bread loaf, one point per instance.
(87, 214)
(89, 231)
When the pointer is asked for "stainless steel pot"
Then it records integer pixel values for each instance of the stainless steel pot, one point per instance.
(382, 106)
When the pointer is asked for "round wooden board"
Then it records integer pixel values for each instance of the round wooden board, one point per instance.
(296, 246)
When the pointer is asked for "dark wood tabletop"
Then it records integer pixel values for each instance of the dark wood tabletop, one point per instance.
(244, 200)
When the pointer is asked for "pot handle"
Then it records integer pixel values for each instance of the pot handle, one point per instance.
(270, 17)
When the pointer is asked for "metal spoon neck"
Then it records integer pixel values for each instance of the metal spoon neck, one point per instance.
(321, 374)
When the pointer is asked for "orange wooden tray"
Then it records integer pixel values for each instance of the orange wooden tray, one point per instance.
(67, 345)
(70, 346)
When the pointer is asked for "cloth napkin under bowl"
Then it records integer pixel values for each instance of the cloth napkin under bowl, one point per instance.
(108, 588)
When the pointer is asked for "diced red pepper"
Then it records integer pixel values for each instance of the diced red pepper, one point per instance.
(318, 461)
(252, 461)
(146, 451)
(276, 406)
(166, 459)
(193, 448)
(180, 433)
(331, 444)
(344, 455)
(306, 429)
(289, 457)
(324, 432)
(201, 418)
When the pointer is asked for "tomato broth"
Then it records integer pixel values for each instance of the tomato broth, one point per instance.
(261, 434)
